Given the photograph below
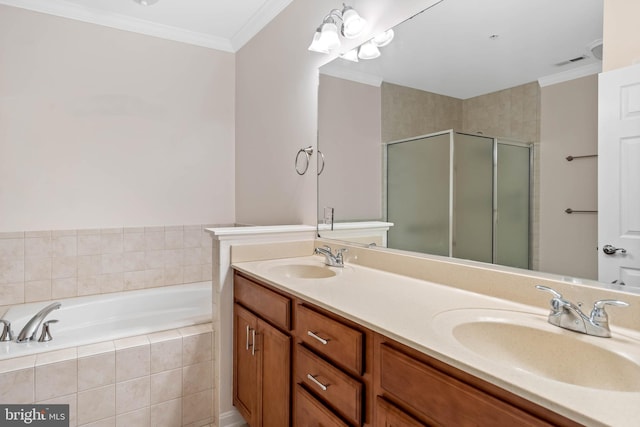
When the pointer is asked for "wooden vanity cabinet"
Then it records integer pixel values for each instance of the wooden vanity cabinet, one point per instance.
(297, 364)
(262, 355)
(428, 392)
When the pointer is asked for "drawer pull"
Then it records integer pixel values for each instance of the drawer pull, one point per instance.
(253, 342)
(316, 382)
(247, 342)
(322, 340)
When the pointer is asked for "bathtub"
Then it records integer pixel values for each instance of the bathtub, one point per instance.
(98, 318)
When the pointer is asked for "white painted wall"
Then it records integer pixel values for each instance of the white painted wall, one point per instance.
(569, 126)
(277, 105)
(101, 127)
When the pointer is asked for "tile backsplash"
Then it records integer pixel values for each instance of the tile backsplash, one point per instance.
(45, 265)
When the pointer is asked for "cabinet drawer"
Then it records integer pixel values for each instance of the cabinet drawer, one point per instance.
(444, 399)
(330, 384)
(338, 342)
(270, 305)
(311, 413)
(387, 415)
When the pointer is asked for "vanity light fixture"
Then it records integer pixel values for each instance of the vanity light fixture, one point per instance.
(326, 37)
(369, 50)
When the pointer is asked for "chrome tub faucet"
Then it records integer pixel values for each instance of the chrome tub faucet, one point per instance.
(568, 315)
(28, 333)
(331, 260)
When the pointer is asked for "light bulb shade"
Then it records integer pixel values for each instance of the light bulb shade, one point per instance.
(316, 46)
(368, 51)
(329, 36)
(383, 39)
(353, 23)
(352, 55)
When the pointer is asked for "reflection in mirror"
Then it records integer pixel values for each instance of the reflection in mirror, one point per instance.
(511, 74)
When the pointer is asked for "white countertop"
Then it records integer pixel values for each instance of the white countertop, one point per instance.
(416, 313)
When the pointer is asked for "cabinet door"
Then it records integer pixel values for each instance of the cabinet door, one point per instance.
(274, 350)
(388, 415)
(311, 413)
(245, 364)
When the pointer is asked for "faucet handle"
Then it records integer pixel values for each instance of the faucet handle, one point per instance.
(46, 333)
(555, 293)
(599, 314)
(557, 302)
(6, 334)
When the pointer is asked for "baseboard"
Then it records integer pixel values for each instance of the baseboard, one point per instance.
(232, 418)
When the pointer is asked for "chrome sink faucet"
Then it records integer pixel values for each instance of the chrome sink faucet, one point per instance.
(568, 315)
(330, 259)
(28, 333)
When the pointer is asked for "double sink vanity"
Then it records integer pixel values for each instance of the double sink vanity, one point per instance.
(436, 345)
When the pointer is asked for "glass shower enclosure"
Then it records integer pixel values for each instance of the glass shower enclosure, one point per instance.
(461, 195)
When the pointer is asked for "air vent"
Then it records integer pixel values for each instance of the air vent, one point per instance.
(572, 60)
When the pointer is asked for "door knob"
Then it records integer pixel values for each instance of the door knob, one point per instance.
(611, 250)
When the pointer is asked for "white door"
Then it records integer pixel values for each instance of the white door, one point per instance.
(619, 176)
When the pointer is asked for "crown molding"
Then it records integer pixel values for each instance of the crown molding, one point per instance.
(269, 10)
(74, 11)
(572, 74)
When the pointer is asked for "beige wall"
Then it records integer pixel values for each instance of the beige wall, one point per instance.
(408, 112)
(102, 128)
(568, 243)
(349, 138)
(277, 102)
(509, 113)
(621, 36)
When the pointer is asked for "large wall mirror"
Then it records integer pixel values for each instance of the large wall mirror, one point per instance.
(459, 133)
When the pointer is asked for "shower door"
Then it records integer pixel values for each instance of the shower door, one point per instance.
(460, 195)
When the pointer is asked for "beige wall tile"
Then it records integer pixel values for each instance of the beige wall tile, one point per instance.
(11, 248)
(64, 266)
(132, 395)
(173, 275)
(166, 385)
(196, 378)
(196, 348)
(139, 418)
(111, 243)
(71, 400)
(96, 349)
(134, 280)
(173, 257)
(192, 273)
(112, 263)
(154, 238)
(112, 282)
(88, 285)
(154, 259)
(107, 422)
(64, 288)
(134, 261)
(96, 404)
(38, 247)
(133, 241)
(56, 379)
(64, 245)
(197, 407)
(11, 293)
(166, 355)
(89, 265)
(154, 278)
(39, 290)
(96, 371)
(17, 386)
(37, 269)
(167, 414)
(173, 238)
(89, 244)
(132, 362)
(192, 236)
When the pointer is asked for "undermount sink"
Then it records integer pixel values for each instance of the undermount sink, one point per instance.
(526, 342)
(303, 271)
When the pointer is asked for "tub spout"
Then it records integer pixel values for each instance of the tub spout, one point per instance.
(28, 333)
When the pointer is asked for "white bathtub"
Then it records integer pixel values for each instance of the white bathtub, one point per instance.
(98, 318)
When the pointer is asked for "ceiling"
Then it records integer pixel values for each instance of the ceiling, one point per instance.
(218, 24)
(449, 49)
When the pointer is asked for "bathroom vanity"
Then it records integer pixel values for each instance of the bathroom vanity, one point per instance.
(318, 345)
